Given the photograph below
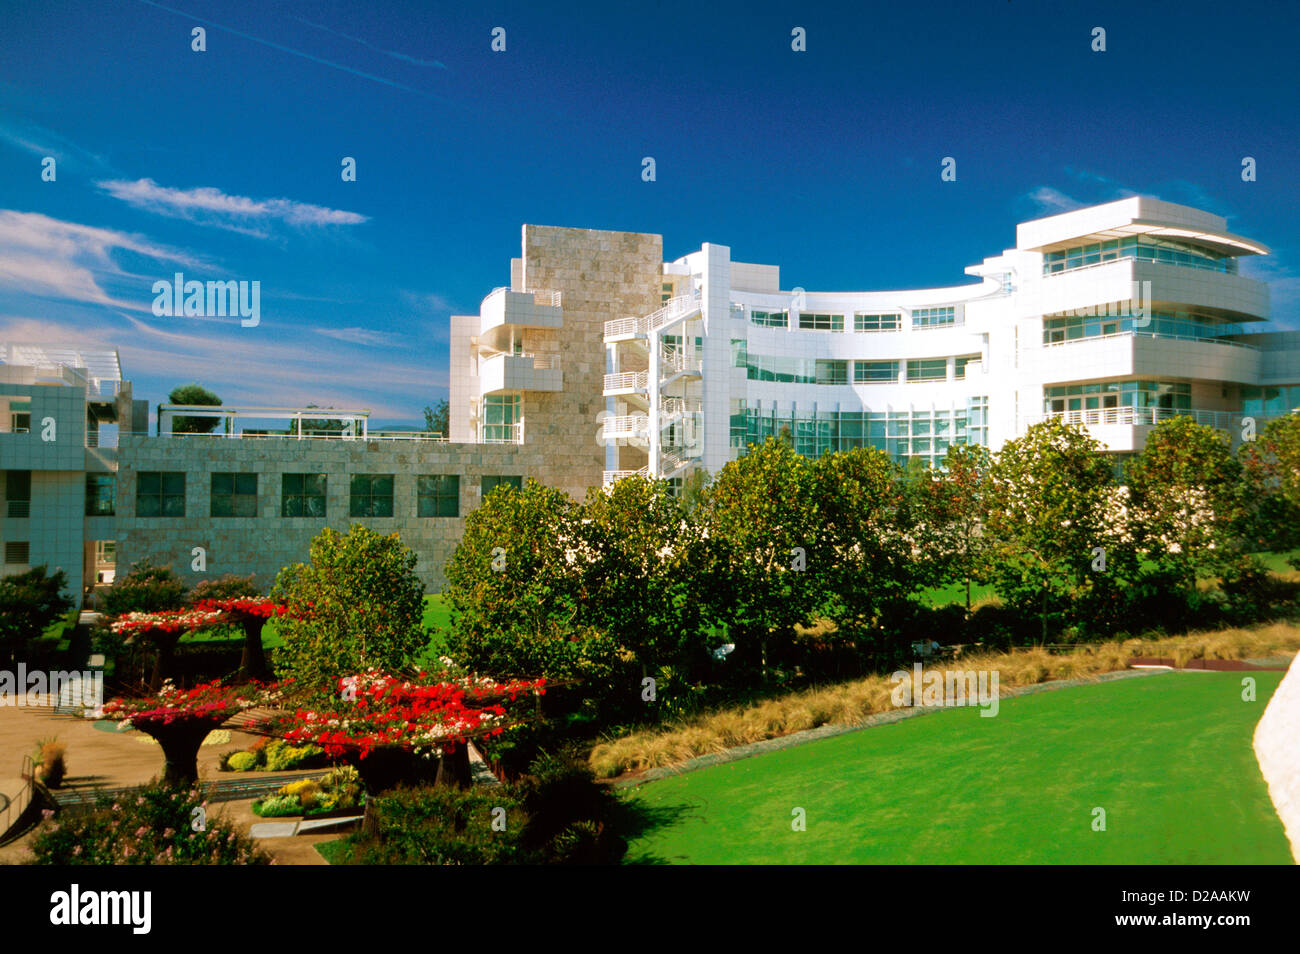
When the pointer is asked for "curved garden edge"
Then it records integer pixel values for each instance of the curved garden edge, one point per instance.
(804, 736)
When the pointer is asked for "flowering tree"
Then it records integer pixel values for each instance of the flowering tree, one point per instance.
(180, 719)
(251, 614)
(163, 630)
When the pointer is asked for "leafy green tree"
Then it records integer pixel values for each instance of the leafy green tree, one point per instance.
(963, 499)
(357, 605)
(870, 551)
(228, 587)
(761, 512)
(437, 418)
(1052, 518)
(197, 395)
(644, 583)
(1270, 486)
(515, 587)
(1184, 499)
(146, 588)
(29, 603)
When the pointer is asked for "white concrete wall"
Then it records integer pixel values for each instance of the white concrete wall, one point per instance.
(1277, 747)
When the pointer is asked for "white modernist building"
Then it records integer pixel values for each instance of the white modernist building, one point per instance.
(1114, 316)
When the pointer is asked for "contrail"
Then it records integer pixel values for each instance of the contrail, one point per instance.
(293, 52)
(366, 43)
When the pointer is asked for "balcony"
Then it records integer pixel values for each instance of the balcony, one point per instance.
(626, 382)
(520, 372)
(682, 308)
(522, 309)
(625, 427)
(1125, 428)
(1132, 353)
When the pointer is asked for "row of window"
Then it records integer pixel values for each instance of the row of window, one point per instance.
(1107, 394)
(791, 370)
(162, 494)
(1157, 324)
(891, 321)
(1143, 248)
(904, 435)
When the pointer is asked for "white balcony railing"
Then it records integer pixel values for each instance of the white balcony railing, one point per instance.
(626, 381)
(1139, 416)
(622, 326)
(541, 296)
(1136, 333)
(673, 309)
(624, 426)
(614, 476)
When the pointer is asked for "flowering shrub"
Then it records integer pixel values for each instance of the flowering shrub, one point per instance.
(258, 606)
(171, 622)
(210, 703)
(383, 711)
(153, 825)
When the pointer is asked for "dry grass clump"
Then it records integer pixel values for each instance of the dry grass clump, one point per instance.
(851, 702)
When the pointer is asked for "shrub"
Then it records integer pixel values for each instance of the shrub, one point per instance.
(277, 806)
(151, 825)
(29, 603)
(281, 756)
(145, 589)
(223, 762)
(53, 765)
(242, 762)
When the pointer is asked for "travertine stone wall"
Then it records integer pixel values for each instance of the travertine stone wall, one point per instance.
(264, 544)
(1277, 747)
(600, 276)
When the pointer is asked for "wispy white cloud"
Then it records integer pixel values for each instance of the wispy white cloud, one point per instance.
(1048, 201)
(40, 255)
(43, 142)
(1283, 287)
(206, 205)
(360, 336)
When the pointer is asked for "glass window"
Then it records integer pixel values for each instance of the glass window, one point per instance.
(101, 494)
(20, 415)
(371, 495)
(875, 372)
(810, 321)
(929, 369)
(832, 372)
(438, 496)
(934, 317)
(502, 414)
(889, 322)
(234, 495)
(491, 483)
(770, 319)
(302, 495)
(160, 494)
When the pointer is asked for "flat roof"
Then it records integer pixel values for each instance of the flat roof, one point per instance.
(101, 365)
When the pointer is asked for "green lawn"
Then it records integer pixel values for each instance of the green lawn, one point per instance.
(436, 614)
(1168, 757)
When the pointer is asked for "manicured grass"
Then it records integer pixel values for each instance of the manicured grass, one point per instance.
(1168, 757)
(331, 851)
(1276, 562)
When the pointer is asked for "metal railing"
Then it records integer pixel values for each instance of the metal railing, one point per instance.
(613, 476)
(541, 296)
(626, 425)
(671, 311)
(94, 438)
(12, 812)
(623, 326)
(1139, 416)
(1137, 333)
(626, 381)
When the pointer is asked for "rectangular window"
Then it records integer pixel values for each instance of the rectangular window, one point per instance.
(502, 414)
(934, 317)
(438, 495)
(890, 322)
(815, 322)
(961, 362)
(492, 483)
(770, 319)
(832, 372)
(101, 494)
(302, 495)
(18, 493)
(875, 372)
(18, 551)
(160, 494)
(935, 369)
(372, 495)
(233, 495)
(20, 416)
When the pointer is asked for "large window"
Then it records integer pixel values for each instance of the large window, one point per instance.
(770, 319)
(890, 322)
(101, 493)
(302, 495)
(934, 317)
(959, 370)
(929, 369)
(832, 372)
(1268, 402)
(20, 416)
(1157, 324)
(502, 414)
(160, 494)
(234, 495)
(438, 495)
(811, 321)
(1102, 395)
(875, 372)
(491, 483)
(1143, 248)
(372, 495)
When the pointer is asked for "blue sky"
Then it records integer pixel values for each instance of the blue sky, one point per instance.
(226, 164)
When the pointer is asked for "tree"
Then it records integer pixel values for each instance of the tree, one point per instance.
(357, 605)
(29, 603)
(437, 419)
(515, 586)
(645, 584)
(1051, 520)
(1270, 489)
(197, 395)
(964, 497)
(1184, 491)
(162, 631)
(146, 588)
(761, 512)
